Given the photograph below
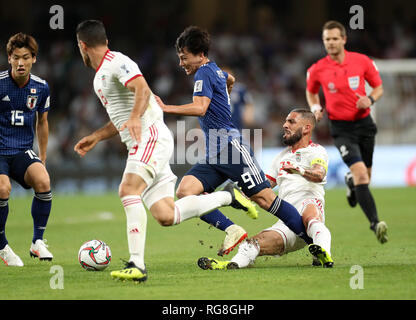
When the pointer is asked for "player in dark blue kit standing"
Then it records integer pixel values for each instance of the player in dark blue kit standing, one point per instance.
(227, 155)
(24, 100)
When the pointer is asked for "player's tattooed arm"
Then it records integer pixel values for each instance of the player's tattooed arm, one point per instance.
(315, 174)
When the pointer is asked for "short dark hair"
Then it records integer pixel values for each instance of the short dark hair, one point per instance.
(92, 32)
(21, 40)
(306, 114)
(332, 24)
(195, 39)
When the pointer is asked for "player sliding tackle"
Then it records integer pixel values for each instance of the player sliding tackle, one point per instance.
(300, 172)
(232, 158)
(148, 179)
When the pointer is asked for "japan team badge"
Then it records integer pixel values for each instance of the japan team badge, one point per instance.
(31, 102)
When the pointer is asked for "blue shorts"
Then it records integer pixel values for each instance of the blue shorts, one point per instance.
(235, 162)
(15, 166)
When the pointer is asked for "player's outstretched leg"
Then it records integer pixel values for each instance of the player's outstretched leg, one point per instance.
(322, 255)
(234, 236)
(351, 198)
(10, 258)
(247, 253)
(239, 201)
(214, 264)
(130, 272)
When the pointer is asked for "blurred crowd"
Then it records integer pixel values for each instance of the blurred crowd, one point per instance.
(272, 65)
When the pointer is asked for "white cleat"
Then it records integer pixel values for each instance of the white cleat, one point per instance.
(39, 250)
(381, 232)
(10, 258)
(235, 235)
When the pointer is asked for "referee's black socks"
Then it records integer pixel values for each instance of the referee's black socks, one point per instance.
(367, 203)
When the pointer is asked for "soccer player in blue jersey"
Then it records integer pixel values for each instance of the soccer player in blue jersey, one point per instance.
(227, 155)
(242, 108)
(24, 101)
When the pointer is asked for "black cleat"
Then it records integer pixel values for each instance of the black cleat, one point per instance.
(321, 255)
(214, 264)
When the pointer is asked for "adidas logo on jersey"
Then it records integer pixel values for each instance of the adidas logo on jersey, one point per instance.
(6, 98)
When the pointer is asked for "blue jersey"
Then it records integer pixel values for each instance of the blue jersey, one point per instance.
(210, 81)
(18, 107)
(239, 98)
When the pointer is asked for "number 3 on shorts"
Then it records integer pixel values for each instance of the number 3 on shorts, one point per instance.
(248, 179)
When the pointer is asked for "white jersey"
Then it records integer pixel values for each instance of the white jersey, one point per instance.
(294, 187)
(112, 76)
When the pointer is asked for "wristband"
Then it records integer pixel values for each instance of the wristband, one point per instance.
(371, 99)
(316, 107)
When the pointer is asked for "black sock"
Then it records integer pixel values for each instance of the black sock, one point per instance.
(367, 204)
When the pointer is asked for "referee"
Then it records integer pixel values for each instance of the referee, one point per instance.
(342, 75)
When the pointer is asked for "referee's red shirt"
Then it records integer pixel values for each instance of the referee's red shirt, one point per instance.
(340, 82)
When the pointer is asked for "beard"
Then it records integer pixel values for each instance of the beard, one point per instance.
(295, 137)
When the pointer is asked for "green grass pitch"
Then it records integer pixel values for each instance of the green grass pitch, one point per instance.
(389, 270)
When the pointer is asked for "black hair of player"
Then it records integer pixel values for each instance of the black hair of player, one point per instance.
(92, 32)
(195, 40)
(306, 114)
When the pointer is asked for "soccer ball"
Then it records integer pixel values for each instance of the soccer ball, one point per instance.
(94, 255)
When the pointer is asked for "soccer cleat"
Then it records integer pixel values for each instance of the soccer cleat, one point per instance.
(234, 236)
(10, 258)
(351, 197)
(316, 262)
(130, 272)
(39, 249)
(381, 232)
(214, 264)
(321, 254)
(239, 201)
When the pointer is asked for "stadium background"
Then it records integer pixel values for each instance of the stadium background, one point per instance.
(268, 44)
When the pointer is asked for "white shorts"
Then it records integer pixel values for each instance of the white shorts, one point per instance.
(291, 241)
(150, 160)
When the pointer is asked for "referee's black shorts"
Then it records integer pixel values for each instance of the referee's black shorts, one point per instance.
(355, 140)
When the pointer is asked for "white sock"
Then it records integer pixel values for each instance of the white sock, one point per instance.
(247, 253)
(320, 234)
(196, 206)
(136, 228)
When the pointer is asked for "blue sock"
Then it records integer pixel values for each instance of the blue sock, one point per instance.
(217, 219)
(4, 212)
(290, 216)
(41, 208)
